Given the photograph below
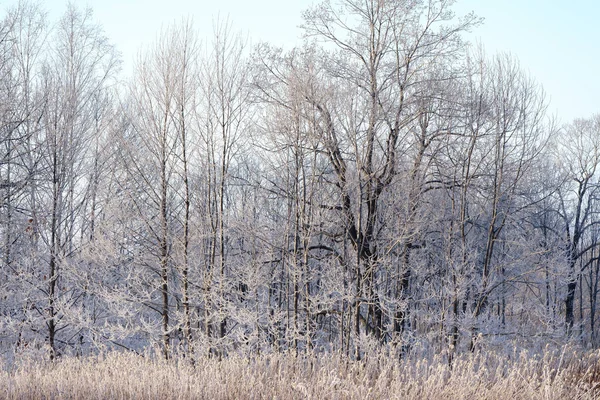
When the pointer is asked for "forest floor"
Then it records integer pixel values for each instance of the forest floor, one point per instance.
(557, 375)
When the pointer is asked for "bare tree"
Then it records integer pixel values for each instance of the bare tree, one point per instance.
(579, 155)
(223, 120)
(383, 50)
(22, 36)
(81, 63)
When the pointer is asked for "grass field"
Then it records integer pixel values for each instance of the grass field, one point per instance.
(556, 375)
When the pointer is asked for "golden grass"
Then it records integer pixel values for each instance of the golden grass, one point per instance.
(126, 376)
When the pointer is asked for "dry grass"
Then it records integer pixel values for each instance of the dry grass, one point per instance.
(124, 376)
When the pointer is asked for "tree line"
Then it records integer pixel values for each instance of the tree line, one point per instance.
(386, 184)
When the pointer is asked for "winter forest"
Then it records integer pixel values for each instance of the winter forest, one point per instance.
(386, 186)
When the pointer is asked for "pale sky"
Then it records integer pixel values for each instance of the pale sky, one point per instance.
(556, 41)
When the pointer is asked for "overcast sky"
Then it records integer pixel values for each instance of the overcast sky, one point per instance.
(557, 41)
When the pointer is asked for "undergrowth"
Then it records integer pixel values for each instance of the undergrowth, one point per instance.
(551, 375)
